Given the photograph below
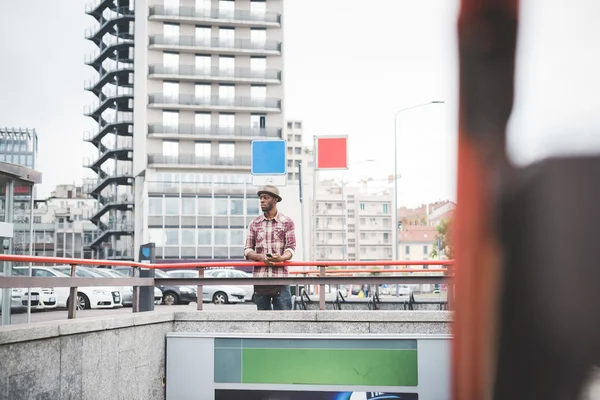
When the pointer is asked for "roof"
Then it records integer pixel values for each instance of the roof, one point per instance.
(421, 210)
(418, 235)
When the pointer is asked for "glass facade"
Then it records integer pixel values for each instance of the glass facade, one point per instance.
(18, 146)
(200, 221)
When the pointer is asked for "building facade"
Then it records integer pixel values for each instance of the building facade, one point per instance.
(19, 146)
(351, 224)
(294, 135)
(208, 81)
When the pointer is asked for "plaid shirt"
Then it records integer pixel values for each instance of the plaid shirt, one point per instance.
(273, 236)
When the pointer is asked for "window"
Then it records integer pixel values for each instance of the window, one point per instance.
(170, 119)
(155, 205)
(289, 125)
(221, 206)
(202, 149)
(172, 205)
(203, 34)
(258, 92)
(202, 120)
(290, 176)
(202, 91)
(425, 250)
(170, 148)
(258, 64)
(226, 8)
(236, 206)
(258, 7)
(37, 219)
(406, 249)
(188, 237)
(386, 208)
(226, 92)
(258, 121)
(171, 62)
(226, 65)
(386, 238)
(298, 125)
(203, 5)
(221, 237)
(171, 32)
(188, 206)
(172, 237)
(202, 64)
(204, 237)
(226, 36)
(252, 206)
(171, 89)
(362, 206)
(226, 150)
(258, 35)
(227, 121)
(205, 206)
(171, 4)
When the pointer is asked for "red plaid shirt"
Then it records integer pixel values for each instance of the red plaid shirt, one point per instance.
(273, 236)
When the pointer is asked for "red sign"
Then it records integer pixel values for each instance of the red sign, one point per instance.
(332, 153)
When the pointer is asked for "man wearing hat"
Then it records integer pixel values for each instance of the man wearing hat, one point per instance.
(271, 239)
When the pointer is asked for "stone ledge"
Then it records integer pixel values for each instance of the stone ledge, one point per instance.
(384, 316)
(48, 329)
(246, 316)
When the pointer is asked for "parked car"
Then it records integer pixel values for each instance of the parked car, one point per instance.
(87, 297)
(215, 294)
(172, 295)
(16, 305)
(232, 273)
(126, 291)
(41, 298)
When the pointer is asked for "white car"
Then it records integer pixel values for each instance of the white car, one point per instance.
(41, 298)
(127, 291)
(215, 294)
(87, 297)
(232, 273)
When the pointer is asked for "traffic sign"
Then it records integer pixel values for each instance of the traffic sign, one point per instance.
(269, 162)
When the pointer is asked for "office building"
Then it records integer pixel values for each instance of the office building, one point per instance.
(19, 146)
(208, 81)
(293, 134)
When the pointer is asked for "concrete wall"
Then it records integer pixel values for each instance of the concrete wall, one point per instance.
(123, 357)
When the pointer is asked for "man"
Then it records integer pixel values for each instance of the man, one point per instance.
(271, 239)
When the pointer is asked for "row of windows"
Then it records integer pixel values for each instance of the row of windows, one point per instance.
(21, 159)
(16, 146)
(198, 237)
(203, 206)
(203, 178)
(204, 119)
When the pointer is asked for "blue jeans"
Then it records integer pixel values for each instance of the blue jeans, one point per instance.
(281, 302)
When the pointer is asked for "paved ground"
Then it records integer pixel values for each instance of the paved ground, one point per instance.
(39, 316)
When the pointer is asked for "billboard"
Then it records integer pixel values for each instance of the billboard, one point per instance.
(332, 152)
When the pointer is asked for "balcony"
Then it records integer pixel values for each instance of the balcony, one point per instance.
(214, 15)
(191, 160)
(215, 45)
(189, 131)
(189, 101)
(214, 74)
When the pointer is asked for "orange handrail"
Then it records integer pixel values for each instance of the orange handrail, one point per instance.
(210, 264)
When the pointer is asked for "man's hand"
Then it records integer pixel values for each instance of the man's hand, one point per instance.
(276, 258)
(266, 260)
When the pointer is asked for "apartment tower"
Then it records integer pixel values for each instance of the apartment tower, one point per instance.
(207, 81)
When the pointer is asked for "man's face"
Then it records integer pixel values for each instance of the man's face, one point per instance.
(267, 202)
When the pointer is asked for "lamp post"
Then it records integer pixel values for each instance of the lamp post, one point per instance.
(395, 233)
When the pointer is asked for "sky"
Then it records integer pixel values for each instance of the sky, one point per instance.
(348, 69)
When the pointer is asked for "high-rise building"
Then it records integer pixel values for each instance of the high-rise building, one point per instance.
(189, 86)
(293, 134)
(19, 146)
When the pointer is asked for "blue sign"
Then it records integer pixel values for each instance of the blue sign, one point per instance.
(269, 157)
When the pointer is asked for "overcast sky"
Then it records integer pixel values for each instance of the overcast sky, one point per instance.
(348, 68)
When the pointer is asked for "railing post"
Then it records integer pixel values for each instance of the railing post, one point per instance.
(135, 307)
(199, 290)
(322, 271)
(72, 296)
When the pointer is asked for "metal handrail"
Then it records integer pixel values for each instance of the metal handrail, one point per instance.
(322, 279)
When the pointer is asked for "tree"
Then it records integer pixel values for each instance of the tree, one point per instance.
(444, 236)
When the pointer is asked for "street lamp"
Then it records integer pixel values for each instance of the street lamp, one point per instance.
(396, 169)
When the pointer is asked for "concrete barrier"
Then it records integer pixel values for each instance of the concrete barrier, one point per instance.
(124, 356)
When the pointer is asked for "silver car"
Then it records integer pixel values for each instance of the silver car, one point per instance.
(214, 294)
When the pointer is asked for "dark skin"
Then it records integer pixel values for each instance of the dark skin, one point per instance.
(268, 205)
